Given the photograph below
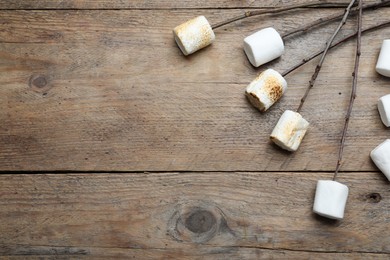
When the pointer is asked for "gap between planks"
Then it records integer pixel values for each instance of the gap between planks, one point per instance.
(70, 172)
(165, 9)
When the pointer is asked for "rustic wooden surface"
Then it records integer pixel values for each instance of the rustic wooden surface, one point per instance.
(128, 149)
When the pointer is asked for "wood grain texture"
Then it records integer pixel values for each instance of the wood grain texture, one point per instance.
(141, 4)
(100, 86)
(190, 215)
(110, 90)
(47, 252)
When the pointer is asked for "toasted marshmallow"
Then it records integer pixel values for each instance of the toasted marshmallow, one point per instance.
(266, 89)
(381, 157)
(289, 131)
(330, 199)
(383, 63)
(193, 35)
(263, 46)
(384, 109)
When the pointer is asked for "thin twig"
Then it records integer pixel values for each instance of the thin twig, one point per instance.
(331, 18)
(318, 67)
(353, 92)
(276, 10)
(346, 38)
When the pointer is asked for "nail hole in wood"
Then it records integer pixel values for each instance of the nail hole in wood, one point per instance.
(374, 197)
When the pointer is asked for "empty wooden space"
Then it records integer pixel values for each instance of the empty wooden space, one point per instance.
(115, 145)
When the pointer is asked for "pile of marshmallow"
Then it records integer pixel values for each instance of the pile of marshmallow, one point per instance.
(266, 89)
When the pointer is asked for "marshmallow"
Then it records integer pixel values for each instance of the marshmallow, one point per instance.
(383, 64)
(289, 131)
(330, 199)
(381, 157)
(193, 35)
(266, 89)
(263, 46)
(384, 109)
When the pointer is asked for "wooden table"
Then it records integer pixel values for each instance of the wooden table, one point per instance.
(115, 145)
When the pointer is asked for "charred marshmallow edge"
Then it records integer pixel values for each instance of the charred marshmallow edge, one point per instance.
(263, 46)
(289, 131)
(383, 64)
(266, 89)
(330, 199)
(193, 35)
(381, 157)
(384, 109)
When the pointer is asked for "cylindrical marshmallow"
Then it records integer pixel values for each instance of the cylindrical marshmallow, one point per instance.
(289, 131)
(381, 157)
(383, 63)
(384, 109)
(266, 89)
(263, 46)
(193, 35)
(330, 199)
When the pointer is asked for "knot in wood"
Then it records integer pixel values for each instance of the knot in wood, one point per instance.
(39, 83)
(200, 221)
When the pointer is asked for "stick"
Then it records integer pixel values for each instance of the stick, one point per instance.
(276, 10)
(319, 66)
(353, 92)
(347, 38)
(331, 18)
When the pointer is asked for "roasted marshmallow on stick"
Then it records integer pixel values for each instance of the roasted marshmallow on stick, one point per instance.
(193, 35)
(266, 89)
(289, 131)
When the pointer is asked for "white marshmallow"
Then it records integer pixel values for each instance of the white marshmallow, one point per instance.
(330, 199)
(263, 46)
(193, 35)
(289, 131)
(381, 157)
(266, 89)
(384, 109)
(383, 64)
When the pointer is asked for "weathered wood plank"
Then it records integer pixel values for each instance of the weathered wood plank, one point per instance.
(202, 252)
(257, 214)
(110, 90)
(141, 4)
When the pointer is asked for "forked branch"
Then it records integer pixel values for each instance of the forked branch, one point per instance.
(345, 39)
(276, 10)
(327, 47)
(333, 17)
(306, 27)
